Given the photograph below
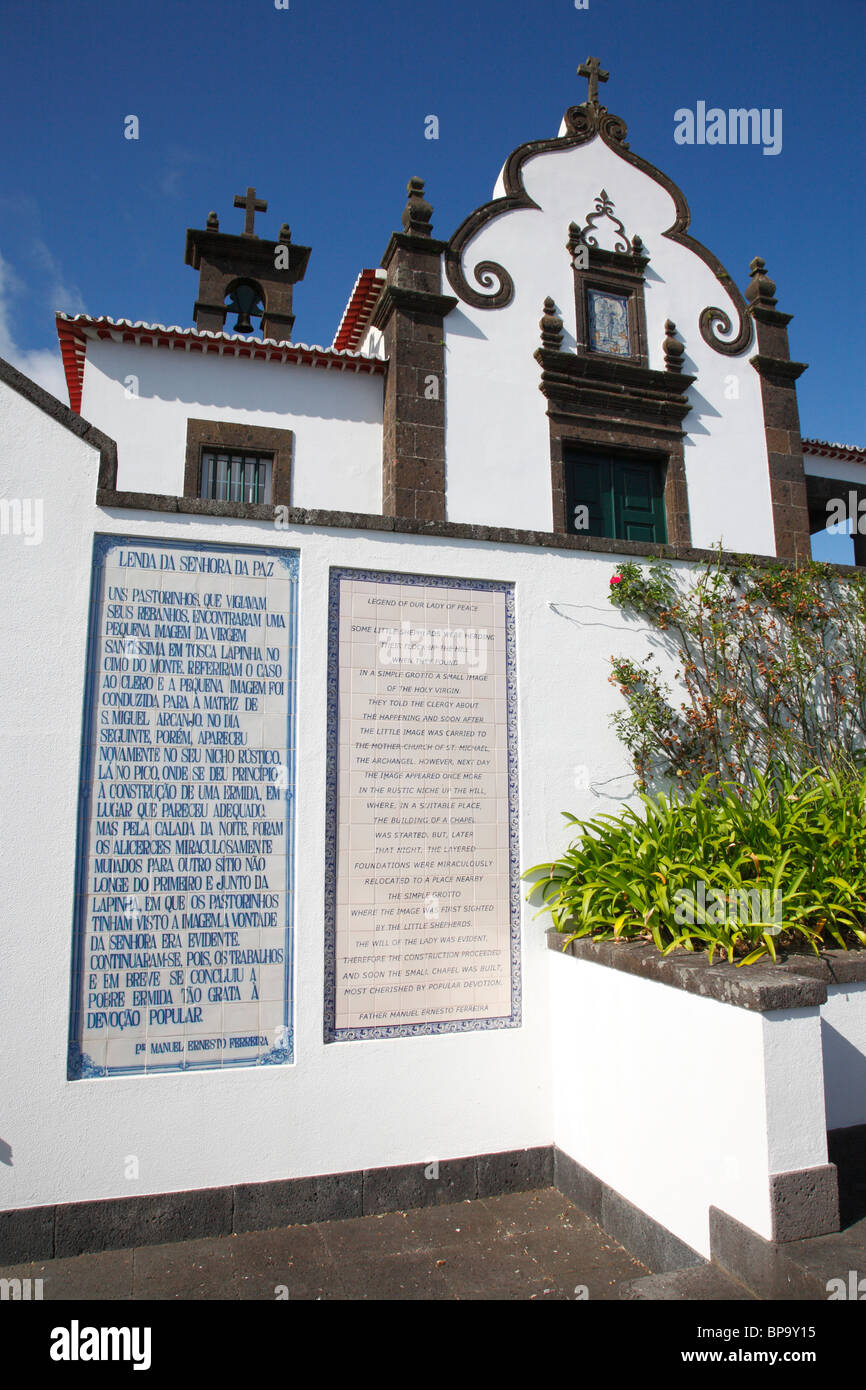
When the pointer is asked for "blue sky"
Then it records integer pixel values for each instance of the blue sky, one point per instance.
(322, 107)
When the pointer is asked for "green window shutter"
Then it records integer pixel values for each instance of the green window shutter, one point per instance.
(638, 501)
(624, 498)
(589, 484)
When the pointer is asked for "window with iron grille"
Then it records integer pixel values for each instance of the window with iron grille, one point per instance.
(229, 475)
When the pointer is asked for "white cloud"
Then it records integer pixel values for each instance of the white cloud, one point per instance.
(60, 294)
(171, 181)
(42, 365)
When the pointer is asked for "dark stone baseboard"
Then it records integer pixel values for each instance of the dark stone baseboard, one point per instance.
(766, 1267)
(27, 1234)
(804, 1205)
(263, 1206)
(78, 1228)
(653, 1244)
(82, 1227)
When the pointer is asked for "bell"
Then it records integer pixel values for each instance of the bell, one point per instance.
(245, 300)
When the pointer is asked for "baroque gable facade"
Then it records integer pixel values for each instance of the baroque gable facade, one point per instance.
(465, 375)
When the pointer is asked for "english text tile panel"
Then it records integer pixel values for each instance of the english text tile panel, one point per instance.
(184, 887)
(422, 887)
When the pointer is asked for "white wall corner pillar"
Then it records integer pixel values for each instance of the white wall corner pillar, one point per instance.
(684, 1087)
(804, 1187)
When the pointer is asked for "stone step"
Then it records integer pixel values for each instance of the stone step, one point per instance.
(701, 1283)
(824, 1261)
(799, 1270)
(815, 1267)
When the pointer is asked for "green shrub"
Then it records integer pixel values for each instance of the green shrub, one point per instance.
(795, 848)
(772, 664)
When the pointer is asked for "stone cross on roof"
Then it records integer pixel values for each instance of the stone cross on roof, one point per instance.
(595, 72)
(251, 206)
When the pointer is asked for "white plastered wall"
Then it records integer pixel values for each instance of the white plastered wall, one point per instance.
(843, 1031)
(335, 415)
(679, 1102)
(341, 1106)
(379, 1102)
(847, 470)
(497, 436)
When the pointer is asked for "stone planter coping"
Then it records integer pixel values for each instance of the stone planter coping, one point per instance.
(795, 982)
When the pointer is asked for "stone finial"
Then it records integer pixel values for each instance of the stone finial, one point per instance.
(551, 327)
(213, 222)
(637, 246)
(673, 348)
(285, 234)
(760, 289)
(417, 212)
(575, 237)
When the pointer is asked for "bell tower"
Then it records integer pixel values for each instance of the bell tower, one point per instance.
(245, 275)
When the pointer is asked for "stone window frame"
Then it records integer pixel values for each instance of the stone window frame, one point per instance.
(570, 435)
(259, 439)
(571, 448)
(623, 277)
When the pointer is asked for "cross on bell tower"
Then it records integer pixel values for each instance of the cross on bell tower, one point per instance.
(595, 72)
(251, 206)
(245, 275)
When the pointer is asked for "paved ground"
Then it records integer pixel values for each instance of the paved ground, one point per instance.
(526, 1245)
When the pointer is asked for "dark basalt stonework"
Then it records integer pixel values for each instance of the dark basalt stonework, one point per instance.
(410, 312)
(797, 982)
(604, 209)
(614, 272)
(672, 348)
(792, 1270)
(781, 418)
(221, 259)
(292, 517)
(657, 1247)
(641, 391)
(551, 327)
(221, 434)
(76, 1228)
(804, 1202)
(616, 405)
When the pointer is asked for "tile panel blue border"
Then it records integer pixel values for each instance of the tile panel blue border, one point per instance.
(79, 1065)
(405, 1030)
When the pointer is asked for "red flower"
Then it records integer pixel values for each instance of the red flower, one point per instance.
(617, 579)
